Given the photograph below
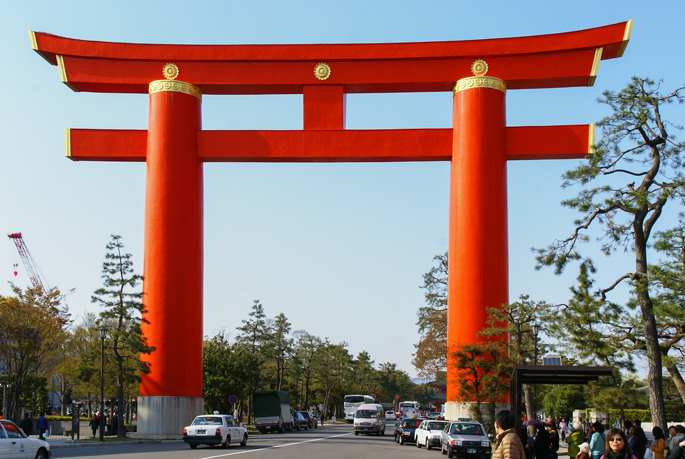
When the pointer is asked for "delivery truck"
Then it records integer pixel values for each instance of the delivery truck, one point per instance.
(272, 411)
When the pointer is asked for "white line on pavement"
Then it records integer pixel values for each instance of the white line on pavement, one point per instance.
(277, 446)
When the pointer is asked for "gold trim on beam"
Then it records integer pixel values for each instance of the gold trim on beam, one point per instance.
(63, 72)
(626, 38)
(34, 45)
(67, 144)
(480, 82)
(595, 66)
(174, 86)
(591, 140)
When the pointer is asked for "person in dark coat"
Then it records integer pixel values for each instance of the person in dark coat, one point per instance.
(42, 426)
(640, 443)
(542, 444)
(94, 424)
(25, 424)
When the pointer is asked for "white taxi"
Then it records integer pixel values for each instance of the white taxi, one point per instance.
(14, 444)
(214, 429)
(428, 434)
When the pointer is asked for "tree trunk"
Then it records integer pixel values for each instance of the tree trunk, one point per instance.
(121, 429)
(677, 377)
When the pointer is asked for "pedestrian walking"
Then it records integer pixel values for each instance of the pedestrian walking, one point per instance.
(583, 451)
(562, 429)
(94, 424)
(26, 424)
(659, 443)
(508, 445)
(108, 424)
(575, 439)
(675, 451)
(115, 424)
(617, 446)
(640, 442)
(598, 440)
(553, 443)
(42, 426)
(542, 444)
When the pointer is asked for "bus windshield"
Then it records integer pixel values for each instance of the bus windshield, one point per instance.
(354, 399)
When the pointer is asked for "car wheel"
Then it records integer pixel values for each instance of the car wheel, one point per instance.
(227, 442)
(192, 446)
(418, 443)
(244, 442)
(450, 454)
(428, 445)
(442, 449)
(41, 454)
(356, 433)
(401, 441)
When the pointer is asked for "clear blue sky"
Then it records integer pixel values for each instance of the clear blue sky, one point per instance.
(332, 246)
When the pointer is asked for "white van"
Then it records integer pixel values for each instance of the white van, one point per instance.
(369, 418)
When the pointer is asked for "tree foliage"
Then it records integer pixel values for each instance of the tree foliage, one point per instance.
(33, 325)
(122, 316)
(430, 359)
(637, 146)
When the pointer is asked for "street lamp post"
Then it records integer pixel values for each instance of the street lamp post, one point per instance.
(536, 330)
(103, 335)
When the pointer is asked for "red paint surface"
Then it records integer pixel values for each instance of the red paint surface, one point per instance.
(324, 107)
(388, 145)
(478, 277)
(173, 262)
(558, 60)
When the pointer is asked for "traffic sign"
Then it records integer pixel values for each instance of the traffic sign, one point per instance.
(232, 399)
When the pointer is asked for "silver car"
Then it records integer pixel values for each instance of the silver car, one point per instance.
(465, 438)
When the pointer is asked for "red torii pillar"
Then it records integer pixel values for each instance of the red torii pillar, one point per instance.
(175, 146)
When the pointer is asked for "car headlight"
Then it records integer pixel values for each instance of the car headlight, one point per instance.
(455, 443)
(485, 443)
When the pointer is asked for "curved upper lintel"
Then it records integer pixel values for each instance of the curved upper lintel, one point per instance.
(546, 61)
(626, 38)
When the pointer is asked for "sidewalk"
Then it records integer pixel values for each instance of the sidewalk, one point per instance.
(60, 442)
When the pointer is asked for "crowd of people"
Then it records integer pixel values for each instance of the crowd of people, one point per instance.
(111, 427)
(624, 441)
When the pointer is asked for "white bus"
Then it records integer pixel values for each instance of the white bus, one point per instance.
(409, 406)
(352, 402)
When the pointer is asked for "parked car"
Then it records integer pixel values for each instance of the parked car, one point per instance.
(299, 421)
(214, 429)
(428, 434)
(15, 444)
(390, 415)
(312, 422)
(465, 438)
(404, 432)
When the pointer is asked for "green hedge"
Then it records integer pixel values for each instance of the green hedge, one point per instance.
(630, 415)
(64, 418)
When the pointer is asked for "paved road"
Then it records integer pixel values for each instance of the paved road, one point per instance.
(336, 441)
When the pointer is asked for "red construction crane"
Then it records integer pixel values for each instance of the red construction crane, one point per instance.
(29, 264)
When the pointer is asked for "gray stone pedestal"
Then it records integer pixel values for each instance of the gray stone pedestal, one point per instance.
(162, 417)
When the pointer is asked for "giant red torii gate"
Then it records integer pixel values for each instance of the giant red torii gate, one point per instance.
(175, 147)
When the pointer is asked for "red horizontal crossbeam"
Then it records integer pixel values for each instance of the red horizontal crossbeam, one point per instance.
(539, 142)
(545, 61)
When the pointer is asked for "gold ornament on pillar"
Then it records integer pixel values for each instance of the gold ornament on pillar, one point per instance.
(479, 68)
(322, 71)
(170, 72)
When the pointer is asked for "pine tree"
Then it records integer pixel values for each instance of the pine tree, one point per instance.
(123, 316)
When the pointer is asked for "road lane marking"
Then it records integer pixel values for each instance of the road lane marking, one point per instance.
(277, 446)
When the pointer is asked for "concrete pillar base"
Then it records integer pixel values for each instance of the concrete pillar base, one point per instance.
(159, 415)
(462, 410)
